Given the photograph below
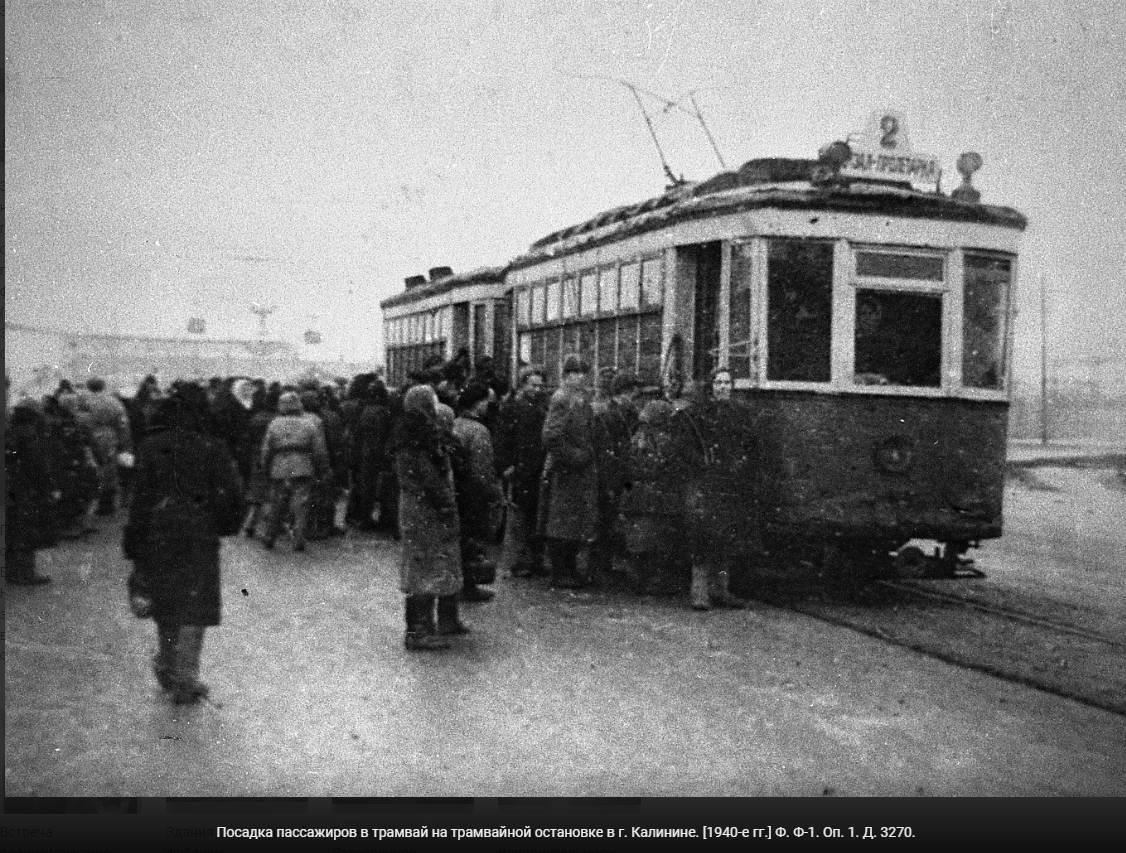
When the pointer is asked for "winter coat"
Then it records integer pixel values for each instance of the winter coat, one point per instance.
(75, 464)
(187, 495)
(721, 506)
(428, 521)
(369, 441)
(519, 446)
(29, 519)
(568, 506)
(258, 486)
(109, 424)
(230, 422)
(653, 506)
(334, 444)
(614, 427)
(478, 488)
(294, 446)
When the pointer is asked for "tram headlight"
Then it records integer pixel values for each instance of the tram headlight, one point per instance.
(894, 455)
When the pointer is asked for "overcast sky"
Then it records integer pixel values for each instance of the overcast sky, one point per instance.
(173, 159)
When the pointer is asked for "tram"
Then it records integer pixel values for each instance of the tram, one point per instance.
(444, 315)
(865, 319)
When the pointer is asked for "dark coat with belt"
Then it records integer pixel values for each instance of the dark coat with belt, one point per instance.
(569, 499)
(188, 494)
(29, 505)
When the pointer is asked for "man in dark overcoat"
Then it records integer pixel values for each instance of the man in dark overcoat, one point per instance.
(520, 457)
(188, 494)
(568, 512)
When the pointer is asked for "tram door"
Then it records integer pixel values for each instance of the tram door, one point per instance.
(700, 263)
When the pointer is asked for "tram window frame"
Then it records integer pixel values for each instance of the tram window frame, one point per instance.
(570, 296)
(904, 287)
(539, 295)
(650, 262)
(588, 287)
(765, 332)
(523, 307)
(553, 305)
(1004, 313)
(632, 267)
(607, 285)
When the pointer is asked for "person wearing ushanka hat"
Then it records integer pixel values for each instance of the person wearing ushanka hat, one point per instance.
(294, 453)
(568, 505)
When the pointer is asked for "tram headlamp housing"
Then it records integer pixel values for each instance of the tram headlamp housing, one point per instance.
(894, 455)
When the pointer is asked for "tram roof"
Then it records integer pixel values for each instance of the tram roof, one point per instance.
(771, 182)
(480, 275)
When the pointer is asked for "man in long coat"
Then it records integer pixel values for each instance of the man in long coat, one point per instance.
(188, 494)
(569, 497)
(520, 457)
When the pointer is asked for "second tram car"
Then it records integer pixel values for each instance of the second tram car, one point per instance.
(865, 321)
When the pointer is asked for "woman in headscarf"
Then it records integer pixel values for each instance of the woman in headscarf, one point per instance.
(188, 494)
(431, 559)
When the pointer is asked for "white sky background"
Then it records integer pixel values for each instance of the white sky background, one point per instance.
(169, 159)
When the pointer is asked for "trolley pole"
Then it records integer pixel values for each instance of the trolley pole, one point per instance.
(1043, 360)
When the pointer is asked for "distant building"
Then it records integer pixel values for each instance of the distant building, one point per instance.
(36, 359)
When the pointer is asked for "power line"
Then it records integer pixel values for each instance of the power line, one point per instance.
(637, 91)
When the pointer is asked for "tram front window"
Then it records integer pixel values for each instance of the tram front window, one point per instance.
(799, 298)
(985, 306)
(898, 338)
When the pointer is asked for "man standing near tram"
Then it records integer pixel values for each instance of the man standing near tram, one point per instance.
(720, 507)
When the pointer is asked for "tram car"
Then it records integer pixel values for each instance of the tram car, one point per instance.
(866, 322)
(444, 315)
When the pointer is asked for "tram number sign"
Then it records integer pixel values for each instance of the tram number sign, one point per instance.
(883, 152)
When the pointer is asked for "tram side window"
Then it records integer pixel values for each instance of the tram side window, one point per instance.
(898, 338)
(739, 352)
(799, 299)
(985, 306)
(522, 306)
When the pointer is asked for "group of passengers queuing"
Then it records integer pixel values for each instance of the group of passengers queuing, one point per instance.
(447, 464)
(67, 459)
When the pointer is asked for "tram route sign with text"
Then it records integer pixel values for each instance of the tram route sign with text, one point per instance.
(883, 152)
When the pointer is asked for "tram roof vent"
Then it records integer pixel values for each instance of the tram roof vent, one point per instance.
(439, 273)
(414, 280)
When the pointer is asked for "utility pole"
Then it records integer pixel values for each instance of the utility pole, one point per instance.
(1043, 360)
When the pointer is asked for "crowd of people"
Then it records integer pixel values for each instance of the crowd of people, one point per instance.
(585, 486)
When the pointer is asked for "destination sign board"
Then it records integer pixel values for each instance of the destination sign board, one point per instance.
(883, 152)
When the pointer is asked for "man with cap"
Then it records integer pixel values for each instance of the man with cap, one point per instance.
(295, 455)
(568, 507)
